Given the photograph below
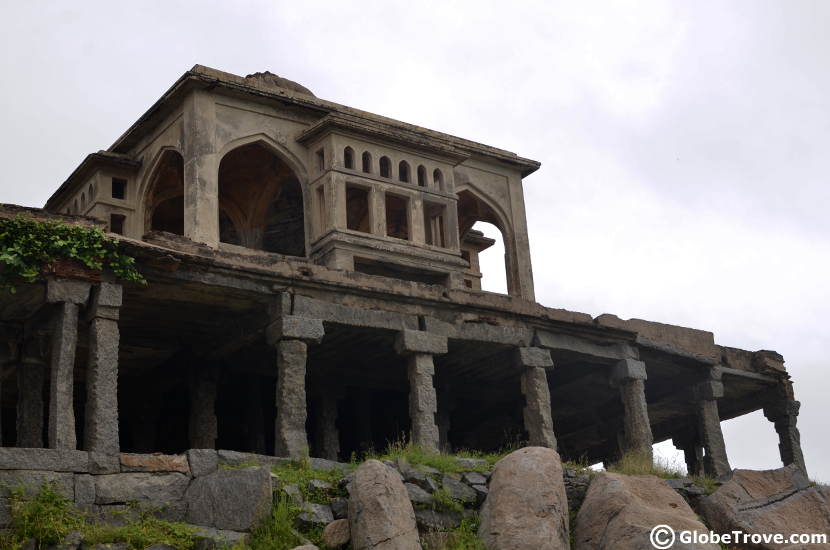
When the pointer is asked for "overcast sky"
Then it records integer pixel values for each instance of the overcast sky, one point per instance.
(684, 145)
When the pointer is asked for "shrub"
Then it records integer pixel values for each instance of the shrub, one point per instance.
(27, 246)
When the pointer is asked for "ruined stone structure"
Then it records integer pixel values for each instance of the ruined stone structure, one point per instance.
(314, 286)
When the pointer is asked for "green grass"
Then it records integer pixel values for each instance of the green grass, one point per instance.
(300, 473)
(443, 502)
(636, 463)
(463, 537)
(48, 518)
(443, 462)
(277, 532)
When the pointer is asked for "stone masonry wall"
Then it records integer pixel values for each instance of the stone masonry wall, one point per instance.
(208, 488)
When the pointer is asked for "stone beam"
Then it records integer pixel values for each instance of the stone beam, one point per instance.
(629, 376)
(609, 352)
(538, 420)
(101, 426)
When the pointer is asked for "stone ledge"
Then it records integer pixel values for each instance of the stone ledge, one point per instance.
(53, 460)
(154, 463)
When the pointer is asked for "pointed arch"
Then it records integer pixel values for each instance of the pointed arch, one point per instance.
(261, 198)
(163, 192)
(474, 206)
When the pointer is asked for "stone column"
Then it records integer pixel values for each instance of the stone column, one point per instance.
(538, 420)
(784, 414)
(203, 427)
(328, 437)
(419, 347)
(31, 377)
(445, 407)
(201, 169)
(67, 295)
(630, 376)
(101, 426)
(692, 452)
(707, 393)
(363, 412)
(255, 418)
(290, 335)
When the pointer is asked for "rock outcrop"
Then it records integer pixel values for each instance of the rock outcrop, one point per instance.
(526, 507)
(380, 514)
(620, 512)
(769, 502)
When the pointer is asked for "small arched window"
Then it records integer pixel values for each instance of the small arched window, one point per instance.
(385, 167)
(83, 200)
(438, 179)
(422, 176)
(403, 171)
(348, 158)
(91, 192)
(75, 207)
(367, 162)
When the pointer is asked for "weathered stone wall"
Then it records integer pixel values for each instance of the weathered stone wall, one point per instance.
(208, 488)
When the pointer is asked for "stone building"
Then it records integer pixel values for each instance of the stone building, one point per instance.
(314, 286)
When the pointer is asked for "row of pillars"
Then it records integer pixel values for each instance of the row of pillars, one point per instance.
(101, 303)
(704, 449)
(291, 336)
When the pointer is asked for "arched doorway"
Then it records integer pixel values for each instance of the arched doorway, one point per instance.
(164, 206)
(478, 225)
(260, 201)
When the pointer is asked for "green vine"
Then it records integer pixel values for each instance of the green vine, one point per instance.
(27, 246)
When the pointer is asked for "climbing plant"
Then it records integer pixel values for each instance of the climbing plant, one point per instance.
(27, 246)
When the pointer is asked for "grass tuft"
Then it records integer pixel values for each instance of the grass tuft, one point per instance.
(443, 462)
(48, 518)
(277, 532)
(639, 463)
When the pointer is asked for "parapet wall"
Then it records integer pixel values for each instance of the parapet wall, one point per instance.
(208, 488)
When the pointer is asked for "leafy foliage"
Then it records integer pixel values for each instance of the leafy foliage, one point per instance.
(27, 246)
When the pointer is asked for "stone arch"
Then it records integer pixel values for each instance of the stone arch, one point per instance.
(474, 206)
(164, 193)
(261, 197)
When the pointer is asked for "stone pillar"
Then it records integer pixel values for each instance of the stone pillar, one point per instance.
(707, 393)
(419, 347)
(255, 424)
(290, 335)
(363, 412)
(538, 420)
(784, 414)
(31, 377)
(630, 376)
(692, 452)
(328, 437)
(67, 295)
(445, 407)
(203, 427)
(201, 169)
(101, 417)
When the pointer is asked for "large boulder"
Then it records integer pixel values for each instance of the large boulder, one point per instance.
(768, 502)
(380, 514)
(619, 512)
(230, 499)
(526, 507)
